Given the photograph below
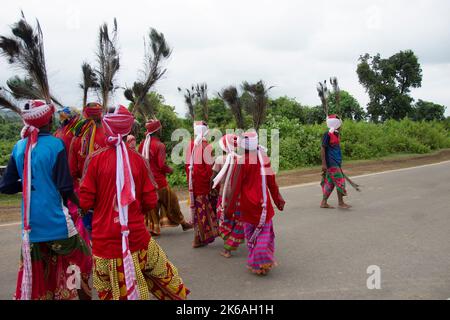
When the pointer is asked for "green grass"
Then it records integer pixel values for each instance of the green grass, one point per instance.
(7, 200)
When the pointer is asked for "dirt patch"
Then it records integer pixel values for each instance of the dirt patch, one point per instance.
(307, 175)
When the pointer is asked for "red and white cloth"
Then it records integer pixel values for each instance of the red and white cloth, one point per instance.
(152, 126)
(36, 115)
(201, 132)
(117, 125)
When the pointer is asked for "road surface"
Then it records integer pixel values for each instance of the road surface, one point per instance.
(400, 223)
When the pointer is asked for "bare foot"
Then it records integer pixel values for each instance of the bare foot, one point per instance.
(326, 206)
(225, 254)
(345, 206)
(187, 226)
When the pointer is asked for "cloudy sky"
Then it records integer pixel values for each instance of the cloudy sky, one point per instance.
(289, 44)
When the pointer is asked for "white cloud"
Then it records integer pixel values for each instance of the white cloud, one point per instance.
(289, 44)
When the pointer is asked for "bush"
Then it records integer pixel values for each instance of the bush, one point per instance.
(300, 144)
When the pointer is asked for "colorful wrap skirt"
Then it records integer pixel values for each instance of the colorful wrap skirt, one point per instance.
(59, 269)
(334, 178)
(231, 229)
(260, 259)
(155, 275)
(205, 221)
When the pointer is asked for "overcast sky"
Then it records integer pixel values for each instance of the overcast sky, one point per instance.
(289, 44)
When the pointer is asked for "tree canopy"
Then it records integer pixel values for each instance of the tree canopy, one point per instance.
(388, 83)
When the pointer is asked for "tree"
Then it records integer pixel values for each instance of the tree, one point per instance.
(314, 115)
(348, 108)
(288, 107)
(428, 111)
(219, 116)
(388, 83)
(164, 113)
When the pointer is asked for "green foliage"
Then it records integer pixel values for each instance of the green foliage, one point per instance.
(428, 111)
(348, 108)
(300, 144)
(388, 83)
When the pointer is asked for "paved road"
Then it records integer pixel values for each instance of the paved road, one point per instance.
(401, 223)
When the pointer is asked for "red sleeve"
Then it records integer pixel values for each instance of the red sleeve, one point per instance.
(88, 185)
(149, 195)
(162, 159)
(73, 158)
(272, 183)
(235, 190)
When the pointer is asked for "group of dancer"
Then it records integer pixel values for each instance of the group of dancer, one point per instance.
(93, 199)
(84, 200)
(91, 203)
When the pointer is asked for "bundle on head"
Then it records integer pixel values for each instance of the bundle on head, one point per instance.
(201, 91)
(7, 103)
(323, 92)
(90, 80)
(336, 90)
(231, 97)
(189, 99)
(108, 62)
(260, 99)
(25, 49)
(156, 50)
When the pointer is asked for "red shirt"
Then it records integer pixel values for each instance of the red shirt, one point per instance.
(66, 137)
(247, 182)
(76, 160)
(158, 161)
(98, 191)
(202, 168)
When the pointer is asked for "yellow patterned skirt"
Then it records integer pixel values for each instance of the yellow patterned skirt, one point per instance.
(155, 275)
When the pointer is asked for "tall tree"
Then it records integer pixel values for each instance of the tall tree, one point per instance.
(156, 51)
(388, 83)
(348, 107)
(26, 50)
(428, 111)
(108, 62)
(90, 80)
(259, 94)
(231, 97)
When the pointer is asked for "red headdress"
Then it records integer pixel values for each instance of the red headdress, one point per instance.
(117, 125)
